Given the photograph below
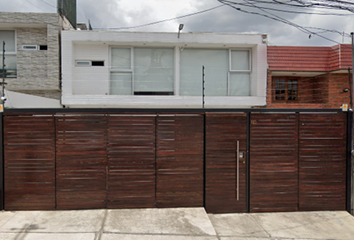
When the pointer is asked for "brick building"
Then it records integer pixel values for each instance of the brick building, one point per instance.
(309, 77)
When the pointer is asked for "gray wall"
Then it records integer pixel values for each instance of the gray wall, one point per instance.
(38, 72)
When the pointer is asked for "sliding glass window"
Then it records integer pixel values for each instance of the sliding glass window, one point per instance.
(216, 71)
(142, 71)
(227, 72)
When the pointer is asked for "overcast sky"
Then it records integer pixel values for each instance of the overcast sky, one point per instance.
(113, 14)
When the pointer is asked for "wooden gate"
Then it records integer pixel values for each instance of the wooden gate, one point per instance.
(179, 160)
(87, 161)
(101, 160)
(322, 161)
(226, 148)
(274, 162)
(131, 161)
(298, 162)
(81, 161)
(29, 143)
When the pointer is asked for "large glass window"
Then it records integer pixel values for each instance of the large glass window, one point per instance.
(142, 71)
(151, 71)
(216, 70)
(8, 36)
(227, 72)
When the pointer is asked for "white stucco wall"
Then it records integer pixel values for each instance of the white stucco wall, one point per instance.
(20, 100)
(89, 86)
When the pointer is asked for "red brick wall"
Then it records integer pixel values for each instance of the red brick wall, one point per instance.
(316, 92)
(335, 89)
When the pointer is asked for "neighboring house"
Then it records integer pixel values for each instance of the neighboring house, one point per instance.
(32, 58)
(160, 70)
(309, 77)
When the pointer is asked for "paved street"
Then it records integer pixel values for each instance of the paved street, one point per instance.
(174, 224)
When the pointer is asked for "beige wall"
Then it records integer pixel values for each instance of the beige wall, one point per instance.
(38, 72)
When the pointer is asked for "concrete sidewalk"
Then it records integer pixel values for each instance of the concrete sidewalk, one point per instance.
(173, 224)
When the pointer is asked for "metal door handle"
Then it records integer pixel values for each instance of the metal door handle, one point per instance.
(237, 170)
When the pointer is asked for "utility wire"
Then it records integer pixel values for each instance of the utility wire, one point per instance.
(166, 20)
(35, 5)
(48, 4)
(303, 10)
(276, 18)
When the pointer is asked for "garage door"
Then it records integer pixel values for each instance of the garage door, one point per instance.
(81, 161)
(274, 162)
(322, 161)
(29, 162)
(179, 160)
(131, 161)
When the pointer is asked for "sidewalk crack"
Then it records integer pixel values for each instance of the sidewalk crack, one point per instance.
(98, 235)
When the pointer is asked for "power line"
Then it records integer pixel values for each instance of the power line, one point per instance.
(274, 17)
(35, 5)
(166, 20)
(48, 4)
(304, 10)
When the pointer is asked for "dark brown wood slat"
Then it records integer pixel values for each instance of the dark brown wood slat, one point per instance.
(29, 162)
(322, 164)
(81, 161)
(222, 133)
(131, 161)
(274, 162)
(179, 161)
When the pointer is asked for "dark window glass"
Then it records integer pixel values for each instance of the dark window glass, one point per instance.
(97, 63)
(286, 89)
(153, 93)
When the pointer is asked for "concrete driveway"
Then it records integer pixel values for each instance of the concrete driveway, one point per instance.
(174, 224)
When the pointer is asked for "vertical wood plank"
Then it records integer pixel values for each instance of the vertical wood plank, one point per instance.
(131, 161)
(29, 162)
(223, 130)
(274, 162)
(81, 161)
(179, 160)
(322, 161)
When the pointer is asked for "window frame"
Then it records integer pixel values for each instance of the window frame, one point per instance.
(177, 64)
(122, 70)
(27, 47)
(286, 94)
(131, 70)
(77, 63)
(10, 53)
(238, 71)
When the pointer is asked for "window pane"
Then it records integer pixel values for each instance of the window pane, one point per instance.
(9, 37)
(239, 84)
(240, 60)
(153, 70)
(83, 63)
(10, 62)
(292, 90)
(121, 83)
(121, 58)
(216, 71)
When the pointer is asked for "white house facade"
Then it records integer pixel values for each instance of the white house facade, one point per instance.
(162, 70)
